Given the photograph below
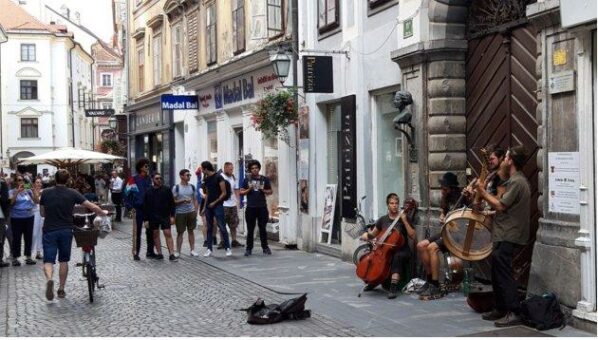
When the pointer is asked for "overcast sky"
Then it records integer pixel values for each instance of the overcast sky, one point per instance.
(96, 15)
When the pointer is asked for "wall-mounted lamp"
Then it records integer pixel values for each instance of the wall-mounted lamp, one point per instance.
(281, 62)
(403, 120)
(113, 122)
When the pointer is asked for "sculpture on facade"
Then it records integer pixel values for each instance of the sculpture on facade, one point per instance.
(401, 100)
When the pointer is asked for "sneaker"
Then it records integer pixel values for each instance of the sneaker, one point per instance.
(30, 262)
(510, 319)
(16, 263)
(136, 258)
(176, 254)
(432, 293)
(172, 258)
(392, 293)
(61, 293)
(247, 252)
(50, 290)
(229, 252)
(159, 257)
(236, 244)
(4, 264)
(194, 253)
(493, 315)
(207, 253)
(267, 251)
(220, 246)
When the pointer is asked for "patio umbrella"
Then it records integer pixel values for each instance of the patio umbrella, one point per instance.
(69, 157)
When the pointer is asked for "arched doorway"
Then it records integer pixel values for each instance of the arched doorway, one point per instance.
(24, 168)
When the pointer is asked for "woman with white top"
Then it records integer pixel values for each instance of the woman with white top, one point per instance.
(38, 222)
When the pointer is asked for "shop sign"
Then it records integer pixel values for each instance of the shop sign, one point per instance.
(563, 182)
(99, 112)
(348, 157)
(147, 120)
(408, 28)
(176, 102)
(317, 74)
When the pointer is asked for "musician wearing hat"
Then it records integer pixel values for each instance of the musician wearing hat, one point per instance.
(510, 231)
(428, 249)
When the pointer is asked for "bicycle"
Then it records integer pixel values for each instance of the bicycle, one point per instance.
(86, 238)
(360, 227)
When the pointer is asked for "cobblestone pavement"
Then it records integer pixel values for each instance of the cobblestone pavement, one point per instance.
(146, 298)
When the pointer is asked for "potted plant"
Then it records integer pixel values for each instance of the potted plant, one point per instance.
(274, 113)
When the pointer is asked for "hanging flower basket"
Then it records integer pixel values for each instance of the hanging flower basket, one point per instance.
(274, 113)
(112, 147)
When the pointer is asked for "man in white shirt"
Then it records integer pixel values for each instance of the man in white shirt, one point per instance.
(231, 212)
(116, 187)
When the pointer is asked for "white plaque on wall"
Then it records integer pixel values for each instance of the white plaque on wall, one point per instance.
(563, 182)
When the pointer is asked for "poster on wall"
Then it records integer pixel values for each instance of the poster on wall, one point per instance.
(304, 158)
(563, 182)
(328, 215)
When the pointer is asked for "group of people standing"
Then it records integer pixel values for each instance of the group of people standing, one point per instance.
(215, 199)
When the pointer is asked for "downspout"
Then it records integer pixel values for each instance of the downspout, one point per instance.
(71, 97)
(1, 124)
(93, 105)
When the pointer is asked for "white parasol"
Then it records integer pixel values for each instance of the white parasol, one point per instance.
(69, 156)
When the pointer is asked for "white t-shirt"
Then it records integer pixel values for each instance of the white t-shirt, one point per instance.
(232, 201)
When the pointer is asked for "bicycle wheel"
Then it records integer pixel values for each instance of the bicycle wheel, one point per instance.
(91, 273)
(360, 251)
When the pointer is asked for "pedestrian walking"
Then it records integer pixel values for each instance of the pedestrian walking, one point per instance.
(23, 201)
(215, 190)
(4, 210)
(136, 187)
(256, 187)
(231, 211)
(56, 206)
(158, 203)
(116, 187)
(38, 222)
(185, 217)
(100, 185)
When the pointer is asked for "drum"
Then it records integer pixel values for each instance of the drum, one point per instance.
(467, 234)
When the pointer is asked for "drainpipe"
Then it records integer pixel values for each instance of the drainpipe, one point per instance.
(1, 126)
(72, 101)
(93, 106)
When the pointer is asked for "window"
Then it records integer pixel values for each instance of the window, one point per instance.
(106, 105)
(28, 89)
(211, 34)
(177, 51)
(274, 18)
(27, 52)
(140, 68)
(327, 15)
(376, 3)
(81, 97)
(238, 26)
(157, 59)
(212, 142)
(107, 79)
(29, 128)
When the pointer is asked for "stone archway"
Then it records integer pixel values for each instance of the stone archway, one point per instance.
(23, 168)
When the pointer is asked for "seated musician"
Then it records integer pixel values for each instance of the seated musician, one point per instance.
(403, 255)
(428, 250)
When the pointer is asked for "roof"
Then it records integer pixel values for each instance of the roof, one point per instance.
(13, 17)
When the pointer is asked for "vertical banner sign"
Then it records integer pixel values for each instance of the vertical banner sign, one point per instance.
(348, 156)
(317, 74)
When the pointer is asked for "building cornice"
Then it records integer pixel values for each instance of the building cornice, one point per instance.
(429, 50)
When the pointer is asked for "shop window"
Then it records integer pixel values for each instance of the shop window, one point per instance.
(157, 59)
(389, 153)
(328, 15)
(238, 26)
(213, 143)
(27, 52)
(211, 34)
(29, 128)
(28, 89)
(275, 15)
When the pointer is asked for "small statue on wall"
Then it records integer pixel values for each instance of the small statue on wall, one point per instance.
(401, 100)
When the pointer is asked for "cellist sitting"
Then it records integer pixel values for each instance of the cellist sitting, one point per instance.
(403, 255)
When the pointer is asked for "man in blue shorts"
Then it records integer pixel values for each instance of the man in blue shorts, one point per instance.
(56, 206)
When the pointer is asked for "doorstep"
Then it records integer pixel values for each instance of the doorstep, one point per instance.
(333, 250)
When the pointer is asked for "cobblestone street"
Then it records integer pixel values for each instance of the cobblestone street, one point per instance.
(146, 298)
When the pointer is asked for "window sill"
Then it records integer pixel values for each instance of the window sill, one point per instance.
(328, 31)
(29, 138)
(29, 61)
(28, 100)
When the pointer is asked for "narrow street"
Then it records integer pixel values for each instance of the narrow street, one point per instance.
(198, 297)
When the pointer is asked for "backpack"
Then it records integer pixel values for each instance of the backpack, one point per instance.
(229, 189)
(261, 314)
(543, 312)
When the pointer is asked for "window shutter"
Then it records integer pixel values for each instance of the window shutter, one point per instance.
(192, 22)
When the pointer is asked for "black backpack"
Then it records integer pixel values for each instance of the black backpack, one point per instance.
(261, 314)
(229, 189)
(543, 312)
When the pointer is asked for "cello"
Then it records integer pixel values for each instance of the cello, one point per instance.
(374, 267)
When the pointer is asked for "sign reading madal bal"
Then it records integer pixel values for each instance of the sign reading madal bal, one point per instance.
(174, 102)
(563, 182)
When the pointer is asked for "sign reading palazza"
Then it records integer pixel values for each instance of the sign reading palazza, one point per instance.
(174, 102)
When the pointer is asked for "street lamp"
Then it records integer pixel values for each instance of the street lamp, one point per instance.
(281, 63)
(113, 122)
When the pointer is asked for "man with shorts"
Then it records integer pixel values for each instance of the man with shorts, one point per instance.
(428, 250)
(231, 212)
(186, 211)
(56, 206)
(158, 203)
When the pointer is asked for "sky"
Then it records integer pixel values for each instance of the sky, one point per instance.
(96, 15)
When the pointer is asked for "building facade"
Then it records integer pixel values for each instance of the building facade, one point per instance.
(47, 80)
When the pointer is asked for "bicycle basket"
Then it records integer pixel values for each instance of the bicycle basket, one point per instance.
(354, 230)
(86, 238)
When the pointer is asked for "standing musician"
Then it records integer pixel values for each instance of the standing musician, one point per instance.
(510, 230)
(402, 256)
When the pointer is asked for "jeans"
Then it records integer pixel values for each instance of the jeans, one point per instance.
(218, 212)
(21, 227)
(261, 215)
(149, 235)
(58, 242)
(505, 288)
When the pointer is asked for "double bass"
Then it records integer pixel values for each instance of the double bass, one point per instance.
(374, 267)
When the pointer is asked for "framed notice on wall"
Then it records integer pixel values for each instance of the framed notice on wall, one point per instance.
(563, 182)
(328, 215)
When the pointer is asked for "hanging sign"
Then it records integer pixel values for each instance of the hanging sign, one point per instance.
(174, 102)
(317, 74)
(99, 112)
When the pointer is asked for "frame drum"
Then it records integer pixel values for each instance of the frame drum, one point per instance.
(467, 234)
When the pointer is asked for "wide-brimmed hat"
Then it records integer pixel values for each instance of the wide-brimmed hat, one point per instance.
(449, 179)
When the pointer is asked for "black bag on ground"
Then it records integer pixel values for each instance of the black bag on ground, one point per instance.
(261, 314)
(543, 312)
